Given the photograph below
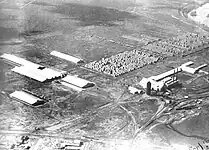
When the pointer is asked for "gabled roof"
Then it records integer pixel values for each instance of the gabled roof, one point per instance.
(76, 88)
(66, 57)
(166, 74)
(25, 97)
(82, 83)
(38, 74)
(19, 60)
(30, 72)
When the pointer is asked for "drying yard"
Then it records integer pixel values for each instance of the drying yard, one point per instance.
(124, 62)
(180, 45)
(153, 52)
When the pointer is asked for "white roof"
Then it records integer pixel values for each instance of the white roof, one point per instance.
(133, 90)
(55, 127)
(37, 74)
(21, 95)
(143, 82)
(76, 81)
(19, 60)
(189, 63)
(188, 69)
(192, 70)
(66, 57)
(71, 86)
(74, 147)
(30, 72)
(50, 73)
(73, 142)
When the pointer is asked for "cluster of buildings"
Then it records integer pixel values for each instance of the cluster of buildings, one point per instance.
(161, 82)
(168, 79)
(43, 74)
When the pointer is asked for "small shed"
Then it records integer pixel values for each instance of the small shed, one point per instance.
(134, 90)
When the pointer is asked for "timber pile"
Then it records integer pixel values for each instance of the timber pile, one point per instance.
(180, 45)
(124, 62)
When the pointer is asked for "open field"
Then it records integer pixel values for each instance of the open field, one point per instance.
(121, 42)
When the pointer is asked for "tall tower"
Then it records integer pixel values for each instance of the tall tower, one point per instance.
(149, 87)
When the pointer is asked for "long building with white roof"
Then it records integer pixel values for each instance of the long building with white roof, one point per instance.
(167, 79)
(18, 61)
(26, 98)
(40, 75)
(32, 70)
(67, 57)
(79, 82)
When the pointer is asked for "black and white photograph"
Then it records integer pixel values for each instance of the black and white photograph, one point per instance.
(104, 75)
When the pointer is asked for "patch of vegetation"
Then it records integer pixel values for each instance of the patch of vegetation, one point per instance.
(93, 15)
(193, 13)
(31, 33)
(35, 23)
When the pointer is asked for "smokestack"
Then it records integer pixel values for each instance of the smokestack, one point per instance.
(148, 88)
(174, 75)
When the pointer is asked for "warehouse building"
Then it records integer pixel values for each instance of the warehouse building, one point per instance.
(76, 81)
(40, 74)
(27, 98)
(67, 57)
(33, 70)
(17, 61)
(169, 78)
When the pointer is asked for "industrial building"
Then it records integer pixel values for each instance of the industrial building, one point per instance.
(158, 83)
(76, 81)
(76, 88)
(134, 90)
(43, 74)
(17, 61)
(185, 68)
(169, 78)
(72, 145)
(40, 74)
(27, 98)
(32, 70)
(67, 57)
